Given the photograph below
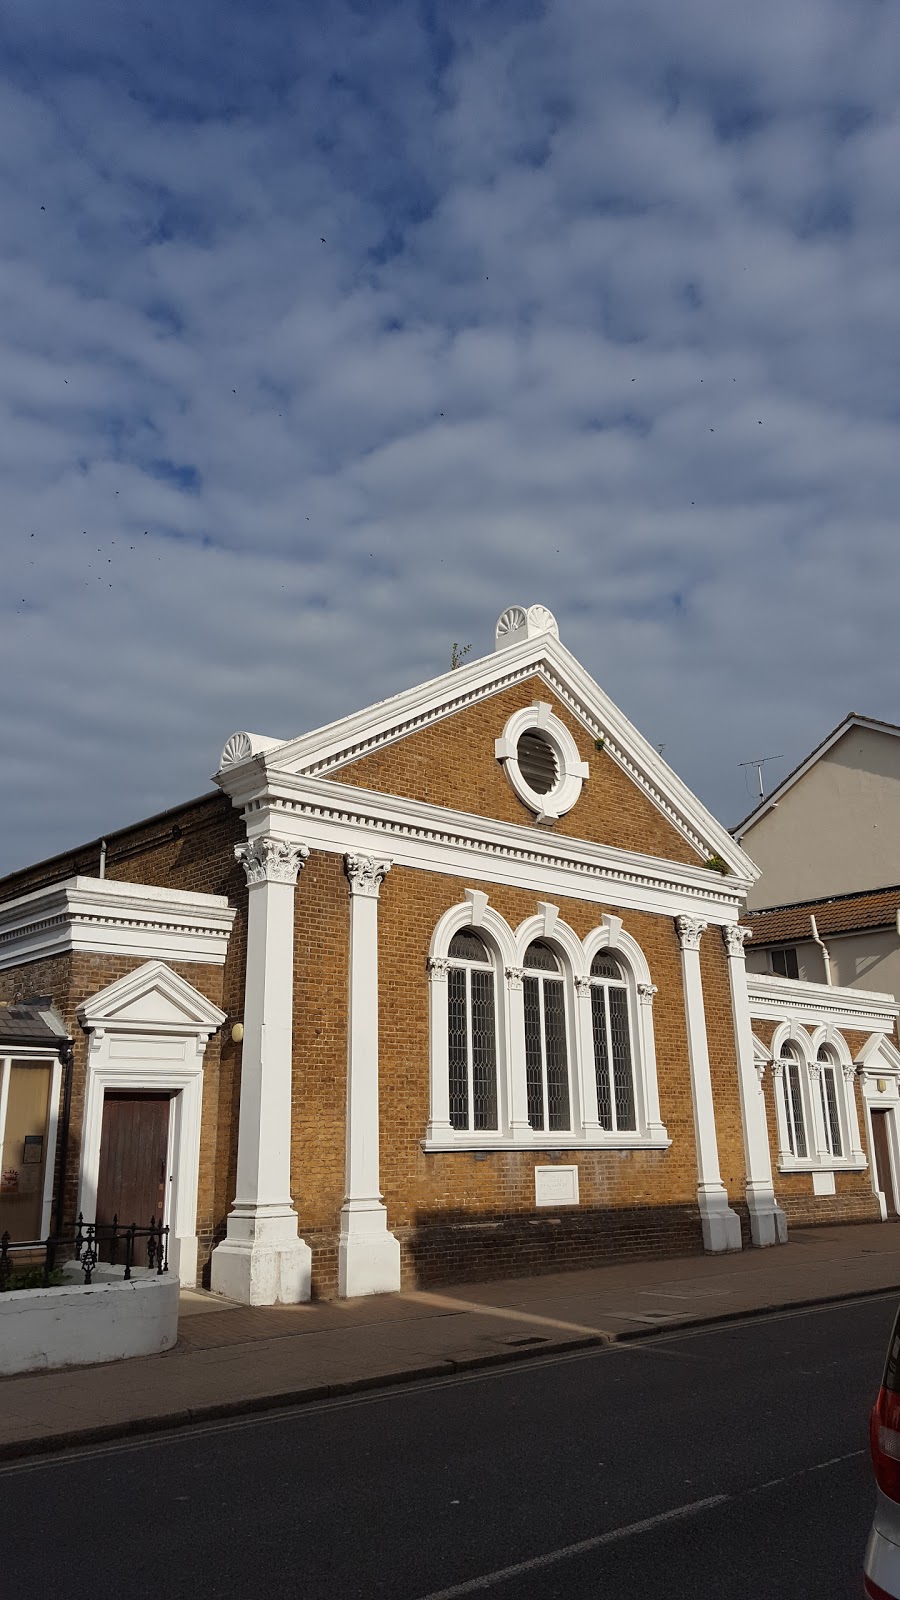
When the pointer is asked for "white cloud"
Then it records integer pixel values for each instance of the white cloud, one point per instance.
(605, 317)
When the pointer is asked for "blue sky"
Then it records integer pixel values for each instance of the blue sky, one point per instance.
(323, 338)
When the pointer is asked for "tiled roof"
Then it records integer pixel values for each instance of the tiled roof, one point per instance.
(30, 1022)
(845, 914)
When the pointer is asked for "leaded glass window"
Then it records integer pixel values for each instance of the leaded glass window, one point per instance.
(613, 1056)
(793, 1100)
(546, 1048)
(472, 1035)
(828, 1091)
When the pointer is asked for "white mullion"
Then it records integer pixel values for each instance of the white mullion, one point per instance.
(470, 1075)
(543, 1019)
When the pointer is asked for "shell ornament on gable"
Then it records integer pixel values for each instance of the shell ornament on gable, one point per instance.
(540, 620)
(513, 618)
(238, 748)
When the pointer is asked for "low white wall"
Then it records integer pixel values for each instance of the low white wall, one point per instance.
(43, 1328)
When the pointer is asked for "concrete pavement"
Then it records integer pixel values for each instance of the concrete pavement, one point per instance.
(231, 1359)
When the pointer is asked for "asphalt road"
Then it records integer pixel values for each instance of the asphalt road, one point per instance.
(730, 1462)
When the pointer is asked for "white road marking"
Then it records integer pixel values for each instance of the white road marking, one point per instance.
(489, 1580)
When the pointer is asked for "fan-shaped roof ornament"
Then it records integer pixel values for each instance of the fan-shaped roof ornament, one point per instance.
(524, 622)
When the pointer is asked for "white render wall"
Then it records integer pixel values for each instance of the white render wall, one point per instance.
(836, 831)
(77, 1326)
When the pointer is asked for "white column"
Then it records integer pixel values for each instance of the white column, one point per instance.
(721, 1226)
(262, 1260)
(768, 1224)
(590, 1108)
(368, 1255)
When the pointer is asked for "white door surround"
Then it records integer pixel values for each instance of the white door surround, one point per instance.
(148, 1031)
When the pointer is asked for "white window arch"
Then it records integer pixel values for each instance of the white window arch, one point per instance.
(547, 1054)
(795, 1119)
(472, 950)
(519, 1056)
(830, 1098)
(622, 1045)
(815, 1108)
(472, 1034)
(611, 1032)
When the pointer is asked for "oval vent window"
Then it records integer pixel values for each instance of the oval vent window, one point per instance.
(537, 762)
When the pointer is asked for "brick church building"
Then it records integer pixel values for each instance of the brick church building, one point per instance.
(451, 988)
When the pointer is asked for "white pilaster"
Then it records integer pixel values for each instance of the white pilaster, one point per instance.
(262, 1260)
(721, 1226)
(646, 993)
(519, 1125)
(768, 1224)
(368, 1255)
(590, 1108)
(814, 1081)
(856, 1150)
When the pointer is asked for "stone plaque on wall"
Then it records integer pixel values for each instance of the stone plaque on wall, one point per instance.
(556, 1186)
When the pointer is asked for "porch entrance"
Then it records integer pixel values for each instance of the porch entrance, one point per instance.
(134, 1155)
(882, 1150)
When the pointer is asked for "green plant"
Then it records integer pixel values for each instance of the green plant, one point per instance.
(33, 1278)
(600, 744)
(716, 864)
(458, 655)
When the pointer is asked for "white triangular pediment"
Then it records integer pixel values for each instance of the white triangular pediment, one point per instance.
(323, 751)
(151, 996)
(879, 1054)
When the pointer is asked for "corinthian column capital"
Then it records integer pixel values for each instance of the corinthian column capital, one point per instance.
(735, 937)
(271, 860)
(690, 931)
(366, 874)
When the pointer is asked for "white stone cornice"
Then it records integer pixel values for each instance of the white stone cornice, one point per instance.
(690, 931)
(366, 874)
(271, 860)
(103, 915)
(787, 999)
(329, 815)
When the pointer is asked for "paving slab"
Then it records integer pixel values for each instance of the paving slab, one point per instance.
(231, 1358)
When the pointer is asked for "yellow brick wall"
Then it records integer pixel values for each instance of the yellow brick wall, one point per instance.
(452, 763)
(470, 1214)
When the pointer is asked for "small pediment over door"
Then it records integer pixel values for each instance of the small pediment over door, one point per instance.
(151, 997)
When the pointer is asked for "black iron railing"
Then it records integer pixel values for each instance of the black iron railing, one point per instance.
(89, 1243)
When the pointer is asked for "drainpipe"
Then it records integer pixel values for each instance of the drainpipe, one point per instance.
(825, 956)
(103, 858)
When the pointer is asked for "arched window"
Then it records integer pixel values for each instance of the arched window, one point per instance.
(472, 1031)
(546, 1051)
(828, 1089)
(613, 1055)
(793, 1099)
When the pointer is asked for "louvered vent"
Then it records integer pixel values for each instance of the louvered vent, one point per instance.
(537, 762)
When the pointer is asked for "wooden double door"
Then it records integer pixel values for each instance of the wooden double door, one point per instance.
(134, 1157)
